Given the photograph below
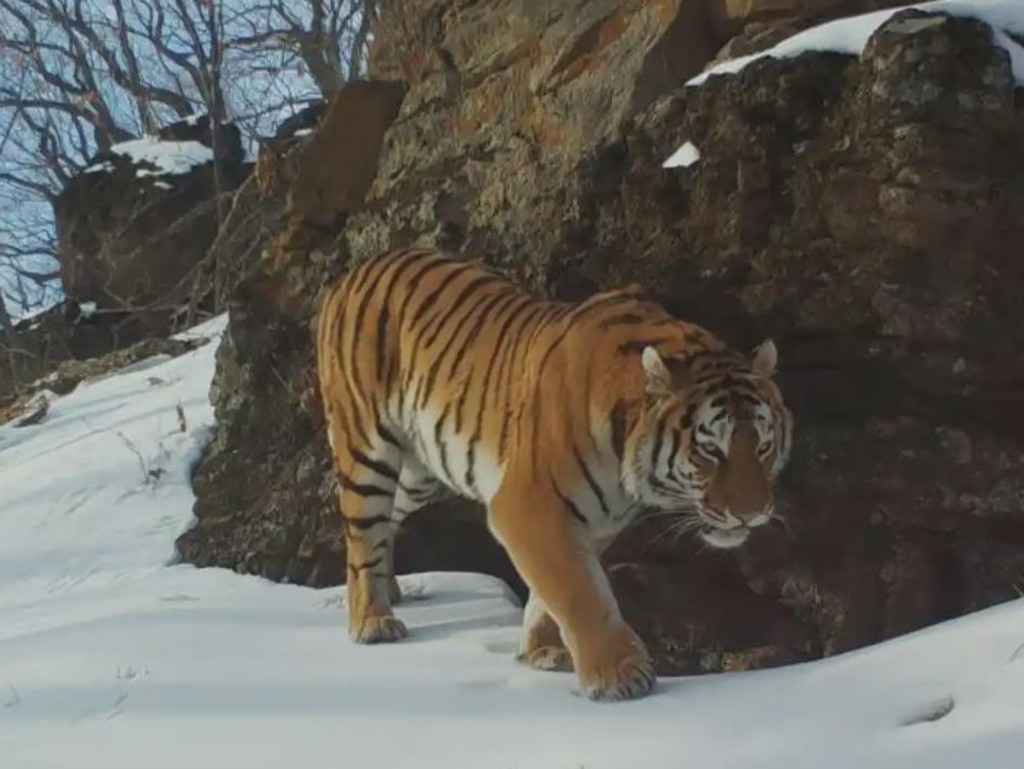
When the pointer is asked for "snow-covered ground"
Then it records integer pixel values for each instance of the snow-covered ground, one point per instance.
(112, 656)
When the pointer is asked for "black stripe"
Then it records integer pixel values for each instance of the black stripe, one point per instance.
(355, 422)
(369, 293)
(325, 312)
(362, 524)
(456, 269)
(677, 439)
(427, 385)
(381, 468)
(618, 420)
(687, 420)
(570, 323)
(387, 436)
(471, 469)
(590, 480)
(489, 313)
(362, 489)
(429, 302)
(384, 354)
(467, 291)
(568, 326)
(570, 505)
(364, 269)
(485, 392)
(394, 361)
(410, 261)
(503, 347)
(382, 346)
(416, 280)
(541, 315)
(661, 485)
(442, 446)
(659, 438)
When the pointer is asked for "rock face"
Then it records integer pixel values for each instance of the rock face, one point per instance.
(864, 213)
(130, 232)
(133, 243)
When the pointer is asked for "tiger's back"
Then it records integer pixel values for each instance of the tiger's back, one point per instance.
(440, 354)
(440, 376)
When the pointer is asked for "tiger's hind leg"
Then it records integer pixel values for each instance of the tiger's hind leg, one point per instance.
(417, 488)
(368, 482)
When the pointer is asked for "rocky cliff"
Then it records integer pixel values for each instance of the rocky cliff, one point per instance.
(864, 212)
(133, 230)
(132, 227)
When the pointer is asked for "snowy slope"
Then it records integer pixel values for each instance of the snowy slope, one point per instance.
(850, 35)
(110, 656)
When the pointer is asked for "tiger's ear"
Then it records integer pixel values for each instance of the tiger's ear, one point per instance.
(766, 358)
(656, 374)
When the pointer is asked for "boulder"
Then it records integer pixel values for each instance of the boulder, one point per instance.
(134, 224)
(863, 212)
(134, 229)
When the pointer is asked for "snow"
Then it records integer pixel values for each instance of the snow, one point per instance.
(850, 35)
(169, 157)
(113, 655)
(684, 157)
(105, 166)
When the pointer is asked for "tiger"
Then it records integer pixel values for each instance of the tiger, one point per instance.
(567, 420)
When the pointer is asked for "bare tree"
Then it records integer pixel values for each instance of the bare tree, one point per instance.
(77, 76)
(328, 37)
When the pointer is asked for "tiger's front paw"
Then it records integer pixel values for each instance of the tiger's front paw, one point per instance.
(621, 671)
(373, 630)
(547, 658)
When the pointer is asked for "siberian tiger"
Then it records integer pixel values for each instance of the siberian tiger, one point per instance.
(439, 376)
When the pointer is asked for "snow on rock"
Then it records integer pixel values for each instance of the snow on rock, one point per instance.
(684, 157)
(850, 35)
(113, 656)
(169, 157)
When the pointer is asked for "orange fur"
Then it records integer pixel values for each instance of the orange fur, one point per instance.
(439, 376)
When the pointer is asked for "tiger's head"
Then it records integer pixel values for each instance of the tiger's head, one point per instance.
(712, 436)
